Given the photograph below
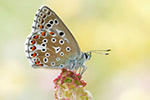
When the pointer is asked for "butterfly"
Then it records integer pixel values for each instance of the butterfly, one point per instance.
(51, 44)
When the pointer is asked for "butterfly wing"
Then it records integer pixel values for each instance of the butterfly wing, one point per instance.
(47, 19)
(50, 44)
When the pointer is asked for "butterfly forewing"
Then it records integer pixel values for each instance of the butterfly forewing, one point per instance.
(47, 19)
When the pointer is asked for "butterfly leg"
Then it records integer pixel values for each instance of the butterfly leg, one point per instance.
(82, 69)
(72, 65)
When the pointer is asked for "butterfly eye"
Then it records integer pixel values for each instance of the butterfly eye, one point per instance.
(61, 41)
(45, 60)
(86, 56)
(68, 49)
(61, 53)
(53, 40)
(47, 54)
(53, 64)
(44, 40)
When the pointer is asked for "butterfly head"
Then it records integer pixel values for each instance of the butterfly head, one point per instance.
(87, 56)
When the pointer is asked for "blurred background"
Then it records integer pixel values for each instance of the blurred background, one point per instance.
(122, 25)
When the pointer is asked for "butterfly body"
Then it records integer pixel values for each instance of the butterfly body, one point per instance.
(51, 44)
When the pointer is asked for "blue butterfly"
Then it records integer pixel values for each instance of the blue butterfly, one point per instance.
(51, 44)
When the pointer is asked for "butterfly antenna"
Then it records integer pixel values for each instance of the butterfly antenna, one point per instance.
(103, 52)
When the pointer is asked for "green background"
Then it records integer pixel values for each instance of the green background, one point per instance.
(122, 25)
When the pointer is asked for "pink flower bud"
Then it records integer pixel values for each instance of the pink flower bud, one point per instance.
(69, 86)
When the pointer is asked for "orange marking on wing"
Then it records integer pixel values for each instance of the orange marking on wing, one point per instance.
(38, 63)
(43, 33)
(33, 48)
(41, 26)
(44, 16)
(33, 42)
(51, 33)
(35, 37)
(34, 54)
(41, 20)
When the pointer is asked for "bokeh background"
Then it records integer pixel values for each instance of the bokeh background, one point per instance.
(122, 25)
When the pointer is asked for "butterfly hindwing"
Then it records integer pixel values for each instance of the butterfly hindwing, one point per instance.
(47, 49)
